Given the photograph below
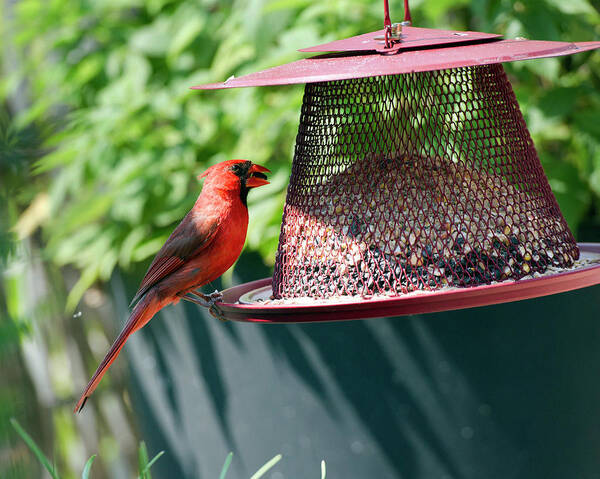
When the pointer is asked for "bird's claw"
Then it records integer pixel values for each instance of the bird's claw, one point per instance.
(213, 309)
(216, 312)
(208, 301)
(216, 295)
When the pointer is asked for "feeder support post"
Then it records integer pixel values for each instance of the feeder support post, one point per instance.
(407, 17)
(387, 22)
(393, 31)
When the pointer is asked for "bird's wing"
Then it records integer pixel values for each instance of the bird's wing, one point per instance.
(187, 241)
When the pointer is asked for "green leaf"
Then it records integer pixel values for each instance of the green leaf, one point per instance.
(143, 463)
(185, 35)
(14, 288)
(87, 69)
(58, 157)
(437, 9)
(146, 470)
(268, 465)
(135, 236)
(573, 7)
(154, 39)
(82, 213)
(148, 248)
(595, 181)
(88, 465)
(87, 278)
(589, 121)
(569, 189)
(548, 68)
(143, 460)
(226, 465)
(558, 101)
(35, 449)
(225, 63)
(276, 5)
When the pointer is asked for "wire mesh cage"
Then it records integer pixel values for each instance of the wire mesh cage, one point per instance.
(415, 182)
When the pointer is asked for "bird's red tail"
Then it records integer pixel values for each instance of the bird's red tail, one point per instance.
(147, 307)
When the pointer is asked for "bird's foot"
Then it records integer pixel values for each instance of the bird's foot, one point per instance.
(216, 297)
(217, 313)
(208, 301)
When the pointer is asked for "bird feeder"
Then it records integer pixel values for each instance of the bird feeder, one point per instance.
(415, 184)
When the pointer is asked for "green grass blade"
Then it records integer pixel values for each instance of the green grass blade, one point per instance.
(226, 465)
(146, 470)
(35, 449)
(266, 467)
(323, 470)
(88, 465)
(143, 461)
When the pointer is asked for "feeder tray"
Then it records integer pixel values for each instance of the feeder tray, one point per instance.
(415, 184)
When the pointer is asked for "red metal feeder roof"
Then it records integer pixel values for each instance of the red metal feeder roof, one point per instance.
(423, 49)
(412, 38)
(486, 143)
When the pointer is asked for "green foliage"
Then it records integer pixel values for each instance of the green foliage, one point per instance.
(85, 474)
(41, 457)
(127, 136)
(144, 463)
(18, 148)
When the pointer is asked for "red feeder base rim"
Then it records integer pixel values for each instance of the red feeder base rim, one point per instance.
(246, 302)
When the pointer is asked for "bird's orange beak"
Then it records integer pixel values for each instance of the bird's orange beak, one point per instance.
(256, 176)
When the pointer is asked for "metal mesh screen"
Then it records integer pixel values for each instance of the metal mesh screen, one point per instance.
(415, 182)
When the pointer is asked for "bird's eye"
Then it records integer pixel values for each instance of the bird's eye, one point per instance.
(235, 168)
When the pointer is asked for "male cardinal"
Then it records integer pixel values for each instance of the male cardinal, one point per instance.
(203, 246)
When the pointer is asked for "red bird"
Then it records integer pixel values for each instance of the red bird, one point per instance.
(203, 246)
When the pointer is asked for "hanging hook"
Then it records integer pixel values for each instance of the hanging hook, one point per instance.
(392, 32)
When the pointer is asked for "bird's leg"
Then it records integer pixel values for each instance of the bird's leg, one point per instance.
(208, 301)
(209, 298)
(195, 300)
